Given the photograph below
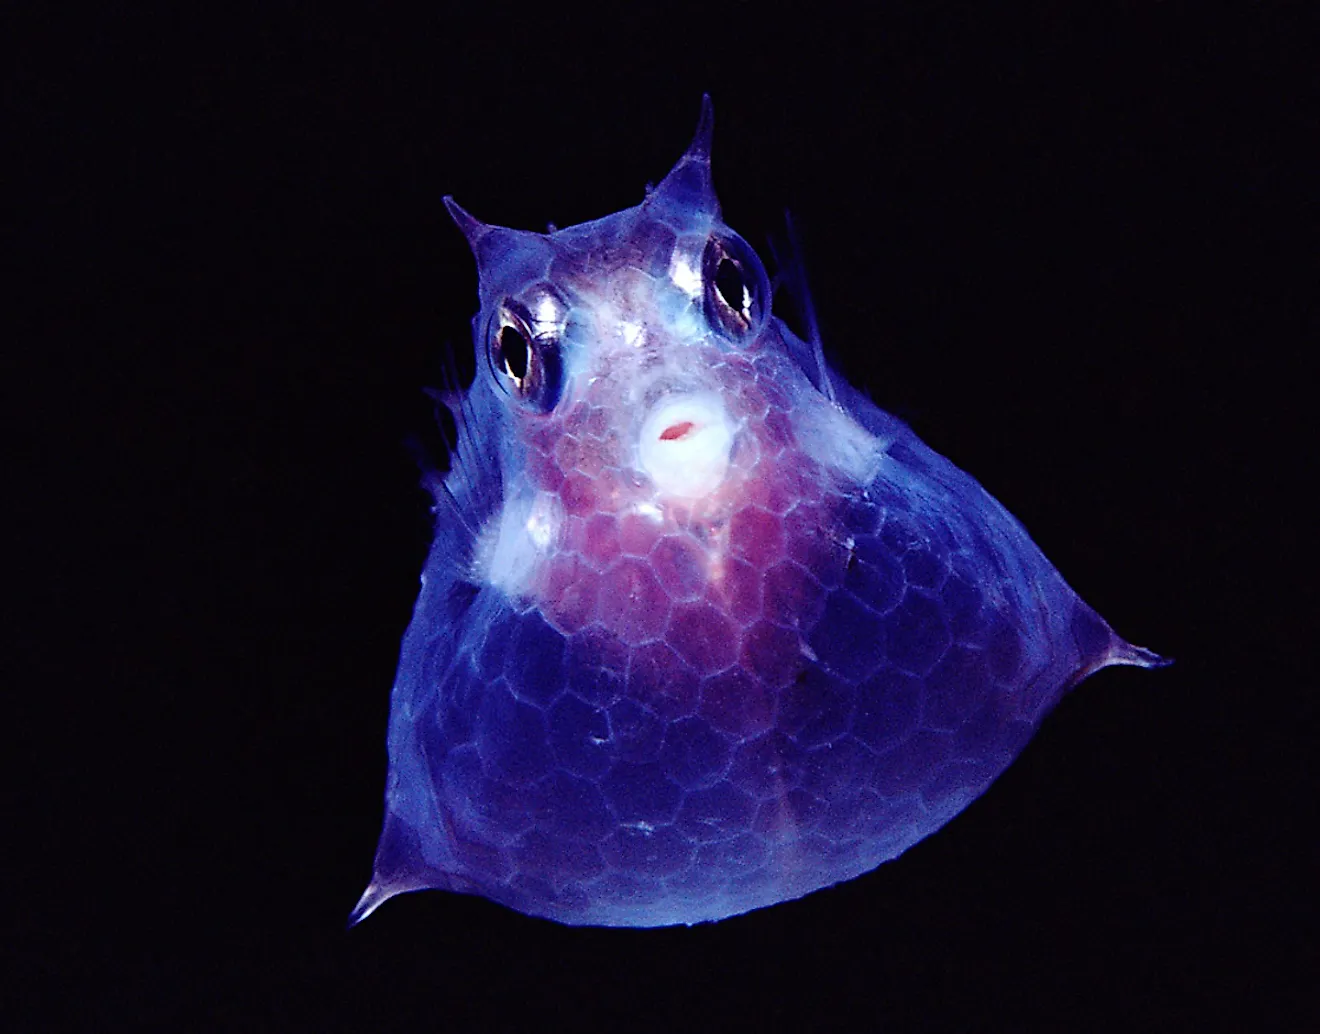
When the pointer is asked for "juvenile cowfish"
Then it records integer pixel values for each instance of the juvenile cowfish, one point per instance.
(702, 629)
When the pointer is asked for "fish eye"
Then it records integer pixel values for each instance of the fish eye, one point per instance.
(737, 291)
(525, 365)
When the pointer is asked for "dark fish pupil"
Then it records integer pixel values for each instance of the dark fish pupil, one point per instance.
(729, 282)
(514, 350)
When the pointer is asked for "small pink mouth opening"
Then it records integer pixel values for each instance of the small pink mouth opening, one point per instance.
(676, 431)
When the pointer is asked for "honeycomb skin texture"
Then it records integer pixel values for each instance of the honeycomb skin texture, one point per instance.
(687, 749)
(620, 706)
(692, 718)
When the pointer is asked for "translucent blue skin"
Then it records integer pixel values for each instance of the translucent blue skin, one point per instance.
(673, 708)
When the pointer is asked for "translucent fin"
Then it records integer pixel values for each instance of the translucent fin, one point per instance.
(792, 275)
(472, 486)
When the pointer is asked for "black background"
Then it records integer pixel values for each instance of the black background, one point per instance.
(1070, 250)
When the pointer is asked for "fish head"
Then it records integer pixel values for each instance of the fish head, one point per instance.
(633, 384)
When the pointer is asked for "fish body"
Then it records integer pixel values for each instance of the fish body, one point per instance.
(702, 629)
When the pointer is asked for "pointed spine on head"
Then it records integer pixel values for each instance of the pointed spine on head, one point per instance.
(469, 225)
(688, 187)
(501, 253)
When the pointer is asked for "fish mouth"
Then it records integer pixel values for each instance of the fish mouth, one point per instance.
(686, 443)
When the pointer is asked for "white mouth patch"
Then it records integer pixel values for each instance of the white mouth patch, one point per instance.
(685, 445)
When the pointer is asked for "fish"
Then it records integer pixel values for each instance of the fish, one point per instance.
(702, 629)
